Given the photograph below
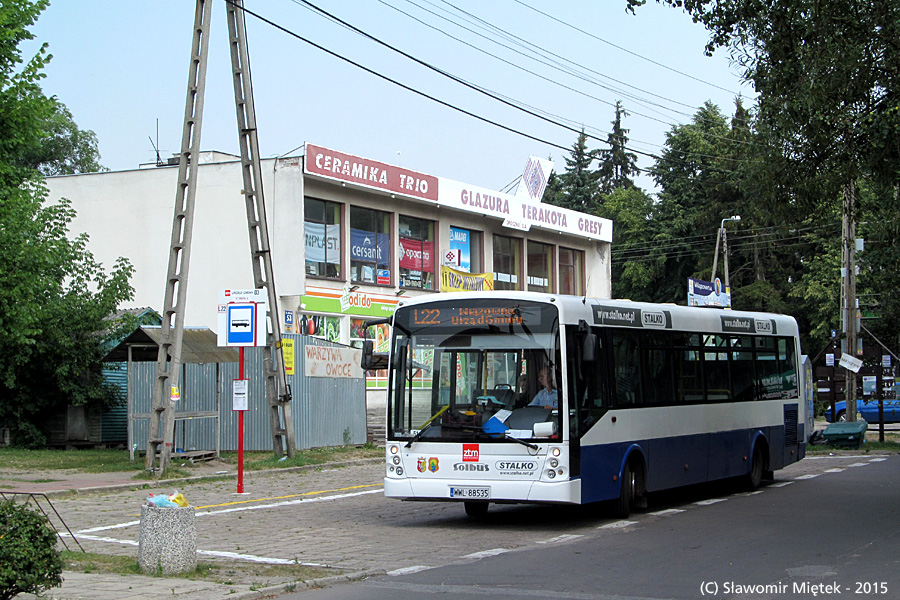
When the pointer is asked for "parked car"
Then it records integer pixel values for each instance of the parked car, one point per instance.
(866, 408)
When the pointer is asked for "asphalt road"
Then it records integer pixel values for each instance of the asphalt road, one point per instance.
(827, 527)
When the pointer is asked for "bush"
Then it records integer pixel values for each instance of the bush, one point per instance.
(29, 560)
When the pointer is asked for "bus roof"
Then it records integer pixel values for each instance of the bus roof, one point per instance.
(638, 315)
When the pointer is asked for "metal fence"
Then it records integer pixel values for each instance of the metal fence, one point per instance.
(326, 411)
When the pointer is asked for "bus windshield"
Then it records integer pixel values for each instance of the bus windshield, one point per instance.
(485, 370)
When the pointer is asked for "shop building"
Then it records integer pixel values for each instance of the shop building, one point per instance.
(350, 237)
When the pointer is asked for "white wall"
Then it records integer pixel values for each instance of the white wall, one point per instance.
(129, 213)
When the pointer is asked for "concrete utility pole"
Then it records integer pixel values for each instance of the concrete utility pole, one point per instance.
(848, 235)
(168, 366)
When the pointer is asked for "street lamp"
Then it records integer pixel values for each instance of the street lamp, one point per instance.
(722, 235)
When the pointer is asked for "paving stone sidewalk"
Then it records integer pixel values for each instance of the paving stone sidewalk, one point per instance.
(99, 502)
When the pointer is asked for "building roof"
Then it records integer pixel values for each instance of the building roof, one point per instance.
(199, 345)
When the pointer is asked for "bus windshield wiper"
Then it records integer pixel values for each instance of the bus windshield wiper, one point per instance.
(518, 441)
(416, 437)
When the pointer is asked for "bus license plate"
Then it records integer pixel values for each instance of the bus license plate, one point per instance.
(470, 492)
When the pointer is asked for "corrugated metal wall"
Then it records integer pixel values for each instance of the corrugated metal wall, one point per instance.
(114, 420)
(326, 411)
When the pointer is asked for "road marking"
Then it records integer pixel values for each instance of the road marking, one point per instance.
(561, 538)
(618, 524)
(710, 501)
(285, 503)
(243, 508)
(408, 570)
(315, 493)
(879, 459)
(781, 484)
(858, 465)
(835, 470)
(667, 512)
(807, 476)
(486, 553)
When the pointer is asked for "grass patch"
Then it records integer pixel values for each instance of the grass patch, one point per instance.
(108, 461)
(88, 460)
(226, 572)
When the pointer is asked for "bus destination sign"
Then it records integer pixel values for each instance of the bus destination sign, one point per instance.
(471, 316)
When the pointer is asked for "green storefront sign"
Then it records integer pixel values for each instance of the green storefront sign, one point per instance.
(359, 305)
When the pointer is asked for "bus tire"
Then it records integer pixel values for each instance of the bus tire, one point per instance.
(476, 510)
(629, 491)
(757, 468)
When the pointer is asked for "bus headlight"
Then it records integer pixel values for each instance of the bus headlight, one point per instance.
(551, 474)
(394, 449)
(554, 463)
(396, 460)
(399, 470)
(555, 451)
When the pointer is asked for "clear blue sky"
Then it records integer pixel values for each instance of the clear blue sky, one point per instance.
(120, 66)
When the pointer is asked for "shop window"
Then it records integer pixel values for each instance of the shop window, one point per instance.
(540, 267)
(416, 244)
(571, 271)
(507, 262)
(322, 228)
(321, 326)
(370, 246)
(469, 244)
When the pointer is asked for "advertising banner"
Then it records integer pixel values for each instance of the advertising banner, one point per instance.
(321, 237)
(366, 246)
(416, 255)
(460, 281)
(708, 293)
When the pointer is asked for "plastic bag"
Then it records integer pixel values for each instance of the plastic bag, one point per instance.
(178, 498)
(160, 501)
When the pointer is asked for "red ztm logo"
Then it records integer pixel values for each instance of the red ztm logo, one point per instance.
(470, 452)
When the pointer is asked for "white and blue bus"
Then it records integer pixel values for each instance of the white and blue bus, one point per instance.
(636, 398)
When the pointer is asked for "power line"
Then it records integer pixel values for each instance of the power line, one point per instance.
(397, 83)
(599, 39)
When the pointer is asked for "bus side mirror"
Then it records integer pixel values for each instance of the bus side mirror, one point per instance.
(368, 351)
(371, 360)
(589, 348)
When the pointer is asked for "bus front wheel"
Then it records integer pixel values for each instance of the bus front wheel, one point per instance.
(476, 509)
(630, 492)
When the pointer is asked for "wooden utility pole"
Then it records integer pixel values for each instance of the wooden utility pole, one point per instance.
(165, 391)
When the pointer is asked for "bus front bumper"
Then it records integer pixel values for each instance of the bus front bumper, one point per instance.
(567, 491)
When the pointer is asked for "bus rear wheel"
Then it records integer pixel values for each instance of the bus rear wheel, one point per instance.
(755, 475)
(476, 509)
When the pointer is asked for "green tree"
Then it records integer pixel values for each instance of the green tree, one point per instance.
(64, 149)
(828, 110)
(617, 165)
(636, 267)
(54, 296)
(577, 187)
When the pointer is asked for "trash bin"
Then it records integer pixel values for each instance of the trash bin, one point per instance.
(846, 434)
(168, 540)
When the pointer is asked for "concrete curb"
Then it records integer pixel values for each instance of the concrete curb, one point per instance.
(151, 484)
(299, 586)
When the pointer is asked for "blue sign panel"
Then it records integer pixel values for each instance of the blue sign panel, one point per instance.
(241, 321)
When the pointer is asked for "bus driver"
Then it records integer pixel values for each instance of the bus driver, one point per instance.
(547, 397)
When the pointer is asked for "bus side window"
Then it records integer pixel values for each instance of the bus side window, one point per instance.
(626, 365)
